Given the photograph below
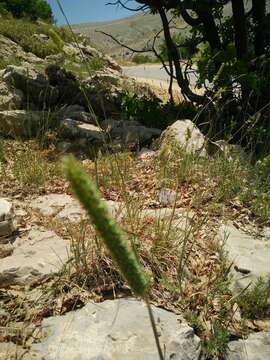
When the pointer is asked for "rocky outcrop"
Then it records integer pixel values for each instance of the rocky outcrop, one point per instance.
(250, 256)
(35, 87)
(10, 98)
(255, 347)
(21, 123)
(76, 112)
(104, 92)
(72, 129)
(116, 329)
(186, 135)
(6, 220)
(35, 257)
(71, 107)
(130, 134)
(9, 48)
(78, 50)
(61, 206)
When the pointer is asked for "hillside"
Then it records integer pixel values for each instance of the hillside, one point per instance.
(135, 31)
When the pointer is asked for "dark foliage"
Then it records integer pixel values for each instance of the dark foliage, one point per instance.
(32, 9)
(230, 40)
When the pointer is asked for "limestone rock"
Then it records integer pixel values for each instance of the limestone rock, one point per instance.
(249, 254)
(10, 48)
(10, 99)
(5, 250)
(6, 212)
(20, 123)
(104, 92)
(62, 206)
(40, 254)
(109, 124)
(6, 220)
(185, 134)
(145, 154)
(167, 196)
(41, 36)
(255, 347)
(73, 129)
(132, 136)
(34, 86)
(76, 49)
(112, 64)
(129, 133)
(116, 329)
(57, 59)
(76, 112)
(72, 213)
(180, 217)
(79, 48)
(50, 205)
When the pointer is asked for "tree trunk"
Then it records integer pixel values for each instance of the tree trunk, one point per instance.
(174, 57)
(259, 13)
(240, 29)
(210, 28)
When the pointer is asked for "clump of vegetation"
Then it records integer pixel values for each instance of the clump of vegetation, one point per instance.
(151, 112)
(9, 60)
(185, 47)
(32, 9)
(217, 342)
(142, 59)
(254, 303)
(25, 33)
(56, 39)
(2, 150)
(86, 68)
(111, 234)
(230, 178)
(31, 169)
(232, 63)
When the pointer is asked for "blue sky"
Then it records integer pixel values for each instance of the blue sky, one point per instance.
(79, 11)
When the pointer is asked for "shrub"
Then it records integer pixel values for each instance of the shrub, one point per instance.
(255, 302)
(151, 112)
(22, 32)
(119, 248)
(58, 42)
(142, 59)
(34, 9)
(9, 60)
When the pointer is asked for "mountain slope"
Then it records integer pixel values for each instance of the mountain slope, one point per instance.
(135, 31)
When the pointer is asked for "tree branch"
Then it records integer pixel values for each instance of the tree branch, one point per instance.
(173, 56)
(121, 44)
(119, 2)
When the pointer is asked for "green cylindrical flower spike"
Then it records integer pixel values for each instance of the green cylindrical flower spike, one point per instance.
(111, 234)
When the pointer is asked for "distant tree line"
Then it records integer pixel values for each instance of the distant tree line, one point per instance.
(32, 9)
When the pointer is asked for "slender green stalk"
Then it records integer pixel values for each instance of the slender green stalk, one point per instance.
(105, 225)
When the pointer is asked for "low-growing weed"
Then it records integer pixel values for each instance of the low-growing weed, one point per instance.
(9, 60)
(151, 112)
(217, 341)
(25, 33)
(30, 168)
(86, 68)
(254, 303)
